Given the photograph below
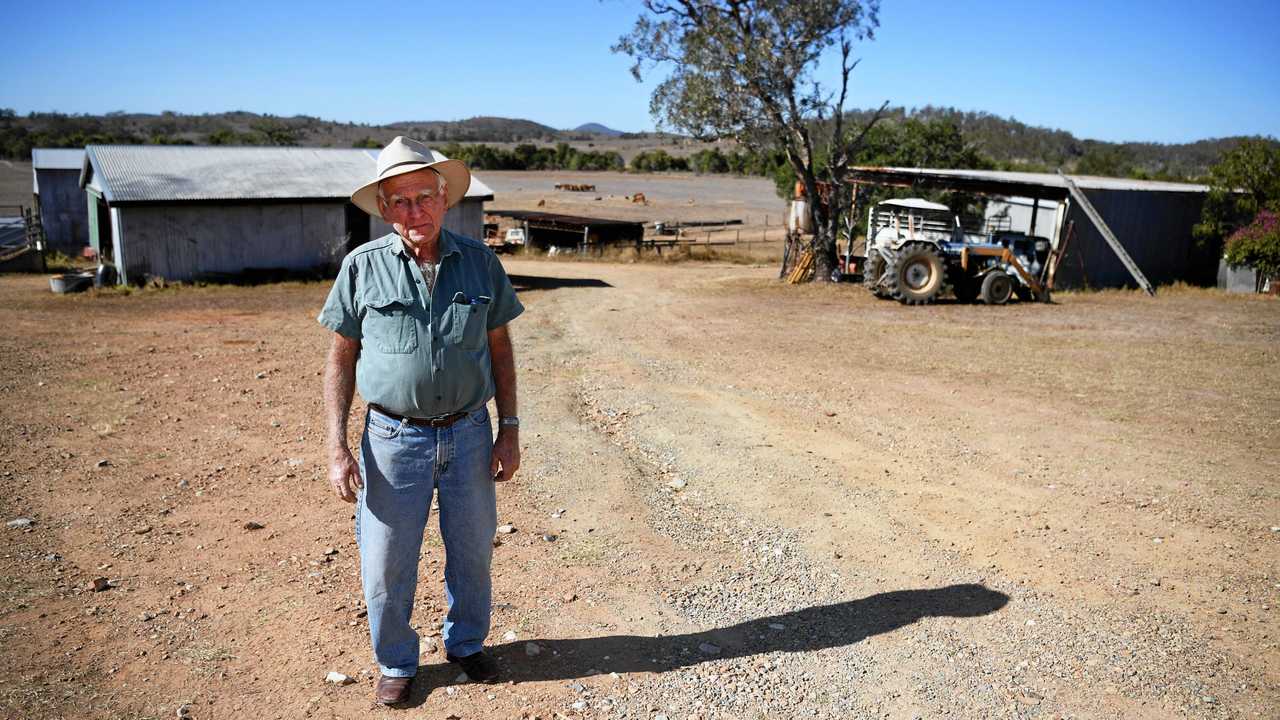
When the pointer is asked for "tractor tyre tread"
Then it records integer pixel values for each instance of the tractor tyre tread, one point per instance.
(902, 259)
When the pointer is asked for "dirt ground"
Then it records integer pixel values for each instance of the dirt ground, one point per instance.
(756, 235)
(670, 196)
(767, 501)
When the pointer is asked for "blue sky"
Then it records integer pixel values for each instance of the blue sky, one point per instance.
(1169, 71)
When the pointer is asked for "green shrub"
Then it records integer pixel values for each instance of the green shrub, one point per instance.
(1257, 245)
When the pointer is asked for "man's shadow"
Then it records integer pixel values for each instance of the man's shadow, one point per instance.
(813, 628)
(531, 283)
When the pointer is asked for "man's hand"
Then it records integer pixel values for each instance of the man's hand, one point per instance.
(339, 384)
(344, 476)
(506, 454)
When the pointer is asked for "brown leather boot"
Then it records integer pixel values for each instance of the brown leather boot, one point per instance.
(392, 690)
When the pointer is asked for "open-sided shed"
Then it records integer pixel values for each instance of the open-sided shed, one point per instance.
(189, 212)
(1151, 221)
(547, 230)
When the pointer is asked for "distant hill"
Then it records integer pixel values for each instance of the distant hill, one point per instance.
(597, 129)
(1008, 142)
(1014, 144)
(490, 129)
(18, 134)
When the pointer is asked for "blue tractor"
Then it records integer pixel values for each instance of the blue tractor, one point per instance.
(917, 250)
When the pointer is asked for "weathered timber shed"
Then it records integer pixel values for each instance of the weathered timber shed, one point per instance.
(544, 231)
(1151, 220)
(55, 185)
(190, 212)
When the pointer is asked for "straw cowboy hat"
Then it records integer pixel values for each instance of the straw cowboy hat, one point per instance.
(404, 155)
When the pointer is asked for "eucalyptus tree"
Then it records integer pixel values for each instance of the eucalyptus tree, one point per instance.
(747, 70)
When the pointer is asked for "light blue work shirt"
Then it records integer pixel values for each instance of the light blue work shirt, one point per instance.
(422, 355)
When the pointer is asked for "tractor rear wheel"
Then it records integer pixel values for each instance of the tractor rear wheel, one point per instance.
(872, 273)
(916, 274)
(997, 286)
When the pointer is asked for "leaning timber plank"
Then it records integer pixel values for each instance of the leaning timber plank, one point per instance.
(1109, 236)
(803, 266)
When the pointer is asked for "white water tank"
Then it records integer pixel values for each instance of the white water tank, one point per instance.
(798, 220)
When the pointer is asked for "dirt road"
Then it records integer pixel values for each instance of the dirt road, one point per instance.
(739, 500)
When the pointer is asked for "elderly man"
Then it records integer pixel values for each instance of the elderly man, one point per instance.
(420, 327)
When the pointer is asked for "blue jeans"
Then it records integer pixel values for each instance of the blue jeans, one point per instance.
(402, 465)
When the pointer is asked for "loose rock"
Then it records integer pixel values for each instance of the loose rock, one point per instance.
(251, 525)
(337, 678)
(506, 529)
(21, 522)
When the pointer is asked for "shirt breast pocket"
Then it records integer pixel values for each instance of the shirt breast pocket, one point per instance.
(469, 324)
(389, 324)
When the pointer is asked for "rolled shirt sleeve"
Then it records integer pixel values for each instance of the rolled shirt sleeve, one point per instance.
(339, 313)
(506, 306)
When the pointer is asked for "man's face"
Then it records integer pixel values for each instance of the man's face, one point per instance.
(413, 204)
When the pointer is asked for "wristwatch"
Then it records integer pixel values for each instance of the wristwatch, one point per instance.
(509, 421)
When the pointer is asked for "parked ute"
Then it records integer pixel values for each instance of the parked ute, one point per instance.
(917, 250)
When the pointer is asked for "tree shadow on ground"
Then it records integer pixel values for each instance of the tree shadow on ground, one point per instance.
(813, 628)
(530, 283)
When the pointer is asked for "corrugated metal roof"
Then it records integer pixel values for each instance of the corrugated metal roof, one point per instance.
(182, 173)
(574, 220)
(57, 158)
(1087, 182)
(916, 204)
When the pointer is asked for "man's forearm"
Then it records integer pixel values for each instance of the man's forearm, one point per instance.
(502, 360)
(339, 387)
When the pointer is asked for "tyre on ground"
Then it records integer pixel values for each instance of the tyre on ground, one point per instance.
(872, 273)
(997, 286)
(916, 274)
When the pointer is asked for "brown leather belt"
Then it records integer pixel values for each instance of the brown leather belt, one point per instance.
(435, 422)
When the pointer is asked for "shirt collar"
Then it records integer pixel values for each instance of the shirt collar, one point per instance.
(395, 244)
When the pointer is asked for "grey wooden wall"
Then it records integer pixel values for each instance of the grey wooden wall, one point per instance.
(182, 242)
(64, 210)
